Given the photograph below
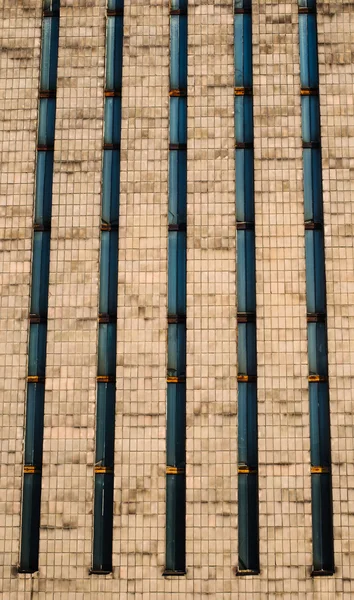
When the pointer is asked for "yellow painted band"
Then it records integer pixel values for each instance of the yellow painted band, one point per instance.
(105, 379)
(176, 379)
(174, 471)
(177, 93)
(246, 471)
(31, 469)
(103, 470)
(320, 470)
(246, 378)
(309, 92)
(35, 379)
(317, 378)
(241, 91)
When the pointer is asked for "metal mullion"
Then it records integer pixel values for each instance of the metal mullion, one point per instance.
(107, 313)
(320, 445)
(248, 534)
(176, 345)
(33, 445)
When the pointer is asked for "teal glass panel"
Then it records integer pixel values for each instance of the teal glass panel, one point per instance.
(246, 349)
(49, 54)
(308, 51)
(313, 185)
(176, 364)
(37, 349)
(315, 272)
(31, 503)
(103, 523)
(40, 273)
(178, 52)
(246, 280)
(322, 523)
(44, 185)
(244, 119)
(105, 423)
(107, 339)
(243, 50)
(248, 536)
(310, 110)
(307, 3)
(175, 523)
(247, 425)
(319, 424)
(177, 272)
(244, 185)
(243, 4)
(114, 52)
(46, 121)
(178, 120)
(108, 272)
(51, 5)
(115, 5)
(34, 424)
(112, 120)
(111, 187)
(176, 425)
(317, 349)
(177, 199)
(179, 4)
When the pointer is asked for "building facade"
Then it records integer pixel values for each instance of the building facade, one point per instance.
(177, 275)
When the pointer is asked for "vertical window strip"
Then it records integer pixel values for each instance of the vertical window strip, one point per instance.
(320, 446)
(107, 318)
(248, 517)
(176, 369)
(33, 446)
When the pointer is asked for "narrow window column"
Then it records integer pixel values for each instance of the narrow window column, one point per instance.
(248, 534)
(176, 368)
(107, 318)
(31, 499)
(321, 484)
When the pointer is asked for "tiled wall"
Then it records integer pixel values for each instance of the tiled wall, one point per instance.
(284, 462)
(336, 38)
(69, 427)
(211, 303)
(19, 81)
(67, 479)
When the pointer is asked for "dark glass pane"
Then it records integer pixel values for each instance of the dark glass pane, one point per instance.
(34, 424)
(243, 50)
(49, 55)
(247, 425)
(114, 52)
(246, 271)
(178, 52)
(248, 523)
(31, 504)
(175, 523)
(105, 415)
(103, 523)
(177, 202)
(322, 523)
(176, 424)
(177, 272)
(244, 185)
(111, 187)
(108, 272)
